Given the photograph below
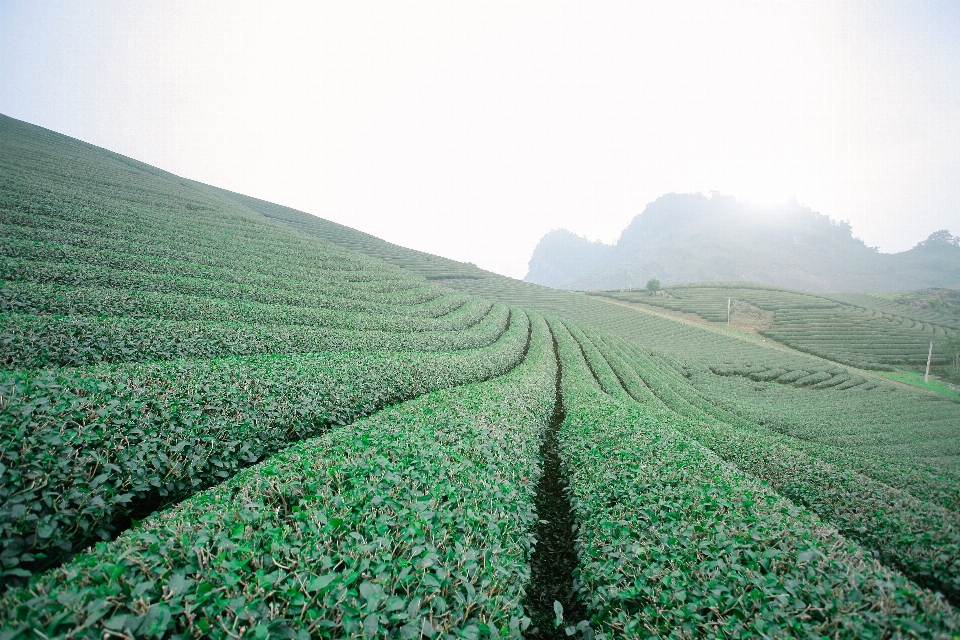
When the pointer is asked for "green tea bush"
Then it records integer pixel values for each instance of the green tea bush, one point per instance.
(373, 281)
(216, 339)
(857, 426)
(329, 296)
(83, 450)
(453, 312)
(673, 542)
(919, 538)
(618, 360)
(35, 342)
(598, 365)
(820, 325)
(413, 522)
(46, 237)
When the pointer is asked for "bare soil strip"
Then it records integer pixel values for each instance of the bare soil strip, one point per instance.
(554, 558)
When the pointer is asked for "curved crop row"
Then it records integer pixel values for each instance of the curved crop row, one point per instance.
(887, 476)
(857, 425)
(835, 377)
(599, 367)
(83, 275)
(379, 280)
(674, 542)
(917, 537)
(34, 342)
(852, 335)
(85, 450)
(414, 521)
(206, 234)
(33, 299)
(938, 486)
(618, 360)
(202, 249)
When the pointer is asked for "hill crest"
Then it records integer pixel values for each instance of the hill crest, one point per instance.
(694, 238)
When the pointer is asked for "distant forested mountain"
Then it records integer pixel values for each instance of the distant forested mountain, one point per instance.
(695, 238)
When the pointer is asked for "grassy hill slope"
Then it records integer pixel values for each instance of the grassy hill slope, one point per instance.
(839, 328)
(153, 330)
(225, 418)
(709, 355)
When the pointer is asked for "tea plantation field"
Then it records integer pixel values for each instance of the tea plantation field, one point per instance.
(862, 331)
(221, 417)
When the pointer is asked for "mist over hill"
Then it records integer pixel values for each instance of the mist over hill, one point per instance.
(695, 238)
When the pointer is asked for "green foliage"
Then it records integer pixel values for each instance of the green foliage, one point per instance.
(168, 345)
(617, 355)
(111, 442)
(320, 294)
(858, 426)
(415, 520)
(934, 306)
(824, 377)
(917, 379)
(653, 284)
(443, 313)
(919, 538)
(906, 438)
(598, 365)
(34, 342)
(677, 543)
(859, 336)
(430, 266)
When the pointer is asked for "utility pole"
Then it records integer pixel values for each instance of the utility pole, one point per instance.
(728, 312)
(926, 378)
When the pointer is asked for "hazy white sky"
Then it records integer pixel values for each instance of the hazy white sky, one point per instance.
(471, 129)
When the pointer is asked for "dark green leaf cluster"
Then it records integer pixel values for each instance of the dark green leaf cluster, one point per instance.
(85, 449)
(35, 342)
(824, 377)
(918, 536)
(443, 313)
(414, 521)
(858, 337)
(199, 339)
(175, 357)
(675, 542)
(416, 301)
(859, 429)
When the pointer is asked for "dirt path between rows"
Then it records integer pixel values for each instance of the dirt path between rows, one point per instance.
(748, 336)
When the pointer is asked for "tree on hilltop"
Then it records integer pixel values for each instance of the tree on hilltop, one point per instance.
(940, 238)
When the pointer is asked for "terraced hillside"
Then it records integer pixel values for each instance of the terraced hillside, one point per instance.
(840, 328)
(722, 369)
(224, 418)
(155, 341)
(936, 306)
